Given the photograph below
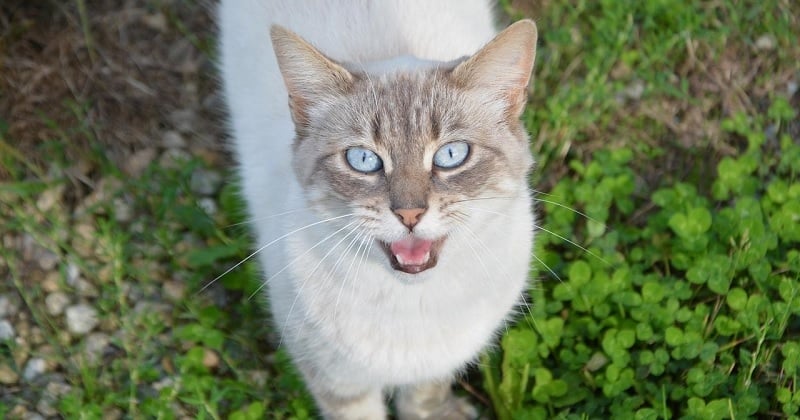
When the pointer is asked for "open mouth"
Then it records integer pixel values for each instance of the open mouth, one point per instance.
(413, 255)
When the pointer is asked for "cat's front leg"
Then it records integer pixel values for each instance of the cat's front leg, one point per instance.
(433, 400)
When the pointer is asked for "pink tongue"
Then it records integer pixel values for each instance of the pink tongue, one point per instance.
(411, 250)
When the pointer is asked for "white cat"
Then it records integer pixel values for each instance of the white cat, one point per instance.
(385, 167)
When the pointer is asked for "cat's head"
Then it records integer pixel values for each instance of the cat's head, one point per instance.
(410, 153)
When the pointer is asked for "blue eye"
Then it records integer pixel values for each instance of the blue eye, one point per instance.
(451, 155)
(363, 160)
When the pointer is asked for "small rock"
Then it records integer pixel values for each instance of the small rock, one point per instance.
(50, 197)
(208, 205)
(7, 375)
(791, 88)
(771, 132)
(34, 416)
(174, 290)
(86, 288)
(95, 345)
(210, 358)
(766, 42)
(139, 161)
(156, 21)
(205, 182)
(173, 140)
(635, 90)
(112, 413)
(150, 307)
(36, 336)
(105, 274)
(48, 260)
(173, 158)
(45, 407)
(184, 120)
(81, 319)
(56, 302)
(166, 382)
(35, 367)
(73, 272)
(9, 304)
(123, 212)
(6, 330)
(51, 282)
(21, 352)
(19, 411)
(50, 397)
(34, 251)
(84, 240)
(103, 191)
(258, 377)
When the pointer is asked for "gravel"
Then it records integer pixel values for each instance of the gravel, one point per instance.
(205, 182)
(77, 312)
(81, 318)
(56, 302)
(6, 330)
(7, 375)
(35, 367)
(8, 305)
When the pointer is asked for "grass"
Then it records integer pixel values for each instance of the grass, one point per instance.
(668, 125)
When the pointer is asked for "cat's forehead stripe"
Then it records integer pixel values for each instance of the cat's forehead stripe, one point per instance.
(408, 108)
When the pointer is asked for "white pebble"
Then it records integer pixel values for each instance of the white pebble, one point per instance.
(6, 330)
(6, 307)
(34, 368)
(56, 302)
(81, 319)
(94, 346)
(205, 182)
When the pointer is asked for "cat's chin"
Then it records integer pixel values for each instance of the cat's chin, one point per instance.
(412, 255)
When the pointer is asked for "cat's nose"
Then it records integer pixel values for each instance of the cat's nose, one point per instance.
(409, 217)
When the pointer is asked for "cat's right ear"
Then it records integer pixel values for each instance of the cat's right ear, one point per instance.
(310, 77)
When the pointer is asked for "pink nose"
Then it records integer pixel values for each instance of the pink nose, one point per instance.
(409, 217)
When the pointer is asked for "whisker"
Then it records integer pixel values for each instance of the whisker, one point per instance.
(264, 283)
(547, 267)
(573, 243)
(247, 258)
(258, 219)
(555, 203)
(484, 198)
(499, 264)
(366, 252)
(488, 211)
(314, 270)
(272, 216)
(360, 237)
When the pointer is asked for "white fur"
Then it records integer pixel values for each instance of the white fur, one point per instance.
(361, 325)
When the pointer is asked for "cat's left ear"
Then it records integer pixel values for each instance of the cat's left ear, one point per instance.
(309, 76)
(503, 67)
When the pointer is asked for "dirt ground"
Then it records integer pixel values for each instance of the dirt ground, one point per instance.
(115, 72)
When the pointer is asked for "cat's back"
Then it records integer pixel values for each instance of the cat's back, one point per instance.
(366, 30)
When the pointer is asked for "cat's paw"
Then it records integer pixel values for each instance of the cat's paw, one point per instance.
(434, 401)
(456, 408)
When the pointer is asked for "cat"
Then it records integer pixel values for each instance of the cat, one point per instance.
(385, 167)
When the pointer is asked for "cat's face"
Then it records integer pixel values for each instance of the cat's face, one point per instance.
(410, 154)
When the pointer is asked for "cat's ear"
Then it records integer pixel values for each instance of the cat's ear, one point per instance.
(503, 67)
(310, 77)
